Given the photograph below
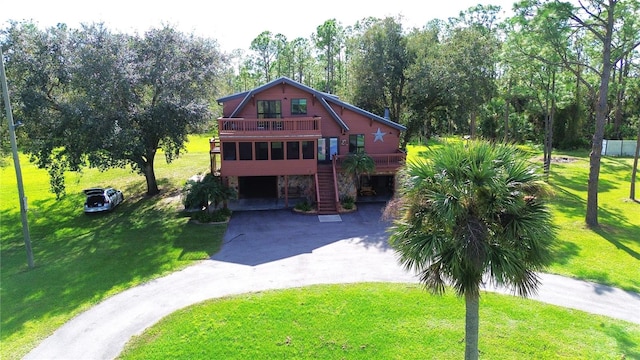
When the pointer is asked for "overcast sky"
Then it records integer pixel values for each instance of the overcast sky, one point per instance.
(234, 24)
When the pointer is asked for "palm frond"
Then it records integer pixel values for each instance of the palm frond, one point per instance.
(469, 210)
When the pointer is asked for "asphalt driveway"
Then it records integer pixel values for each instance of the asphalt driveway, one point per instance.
(278, 249)
(279, 234)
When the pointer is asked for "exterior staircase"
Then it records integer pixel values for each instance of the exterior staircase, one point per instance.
(326, 190)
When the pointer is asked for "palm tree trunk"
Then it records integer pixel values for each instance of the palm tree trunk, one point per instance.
(472, 320)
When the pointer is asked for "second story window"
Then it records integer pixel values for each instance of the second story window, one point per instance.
(298, 106)
(356, 143)
(269, 109)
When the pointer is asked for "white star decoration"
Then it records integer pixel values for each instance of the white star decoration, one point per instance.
(378, 135)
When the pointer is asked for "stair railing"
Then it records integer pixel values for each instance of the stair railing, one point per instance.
(317, 190)
(335, 180)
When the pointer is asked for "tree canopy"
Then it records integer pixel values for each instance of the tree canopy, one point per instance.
(92, 97)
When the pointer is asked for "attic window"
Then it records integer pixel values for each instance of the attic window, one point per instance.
(269, 109)
(298, 106)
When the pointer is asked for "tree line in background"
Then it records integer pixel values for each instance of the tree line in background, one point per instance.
(556, 74)
(475, 74)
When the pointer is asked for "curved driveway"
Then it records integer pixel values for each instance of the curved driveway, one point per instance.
(276, 249)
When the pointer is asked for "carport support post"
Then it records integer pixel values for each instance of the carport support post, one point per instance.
(16, 162)
(286, 191)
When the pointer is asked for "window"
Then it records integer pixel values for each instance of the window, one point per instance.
(269, 109)
(293, 150)
(356, 143)
(298, 106)
(262, 150)
(308, 149)
(229, 150)
(277, 151)
(246, 151)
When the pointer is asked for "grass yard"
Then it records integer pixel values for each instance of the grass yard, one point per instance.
(608, 255)
(611, 253)
(379, 321)
(82, 259)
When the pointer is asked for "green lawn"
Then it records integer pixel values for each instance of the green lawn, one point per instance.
(611, 253)
(81, 260)
(608, 255)
(379, 321)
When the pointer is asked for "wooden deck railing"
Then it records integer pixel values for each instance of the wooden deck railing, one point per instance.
(382, 161)
(236, 126)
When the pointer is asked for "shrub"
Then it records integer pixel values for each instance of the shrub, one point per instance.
(348, 202)
(197, 194)
(304, 206)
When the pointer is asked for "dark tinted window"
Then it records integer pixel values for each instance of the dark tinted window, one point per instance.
(277, 150)
(245, 151)
(262, 150)
(229, 151)
(293, 150)
(308, 150)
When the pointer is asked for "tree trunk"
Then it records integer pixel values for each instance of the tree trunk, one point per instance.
(546, 147)
(591, 217)
(617, 118)
(150, 175)
(472, 130)
(549, 132)
(506, 113)
(548, 126)
(472, 321)
(620, 96)
(634, 171)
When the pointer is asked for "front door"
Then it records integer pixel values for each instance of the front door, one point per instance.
(327, 147)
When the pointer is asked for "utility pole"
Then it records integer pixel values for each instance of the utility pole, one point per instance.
(16, 162)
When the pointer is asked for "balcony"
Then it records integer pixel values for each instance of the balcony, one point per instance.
(280, 128)
(385, 163)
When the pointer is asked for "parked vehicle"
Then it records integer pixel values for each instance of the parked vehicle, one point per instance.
(102, 199)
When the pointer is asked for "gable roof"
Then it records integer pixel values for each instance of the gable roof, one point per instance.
(324, 98)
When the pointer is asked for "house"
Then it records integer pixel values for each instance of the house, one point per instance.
(285, 140)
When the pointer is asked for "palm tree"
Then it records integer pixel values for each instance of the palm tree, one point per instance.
(469, 214)
(199, 193)
(357, 164)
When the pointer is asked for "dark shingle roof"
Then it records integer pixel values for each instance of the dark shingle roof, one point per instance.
(324, 98)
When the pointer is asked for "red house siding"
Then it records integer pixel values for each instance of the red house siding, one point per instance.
(326, 117)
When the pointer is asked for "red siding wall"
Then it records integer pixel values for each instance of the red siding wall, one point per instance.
(357, 123)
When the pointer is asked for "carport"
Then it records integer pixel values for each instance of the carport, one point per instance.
(254, 187)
